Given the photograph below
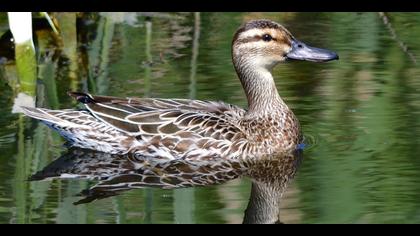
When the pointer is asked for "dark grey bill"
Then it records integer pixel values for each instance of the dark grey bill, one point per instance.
(301, 51)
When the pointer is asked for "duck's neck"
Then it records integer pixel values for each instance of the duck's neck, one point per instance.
(260, 89)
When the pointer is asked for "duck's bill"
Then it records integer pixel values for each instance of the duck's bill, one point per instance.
(301, 51)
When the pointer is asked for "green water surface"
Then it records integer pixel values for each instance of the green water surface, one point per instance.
(360, 115)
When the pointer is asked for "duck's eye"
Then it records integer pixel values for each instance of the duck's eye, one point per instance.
(267, 37)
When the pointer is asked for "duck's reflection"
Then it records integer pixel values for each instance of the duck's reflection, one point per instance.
(116, 174)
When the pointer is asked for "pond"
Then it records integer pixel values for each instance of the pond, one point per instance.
(360, 117)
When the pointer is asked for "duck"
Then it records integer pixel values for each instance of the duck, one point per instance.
(171, 129)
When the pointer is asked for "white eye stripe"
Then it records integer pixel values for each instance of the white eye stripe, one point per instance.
(252, 33)
(278, 33)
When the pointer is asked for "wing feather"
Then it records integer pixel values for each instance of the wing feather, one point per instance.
(158, 128)
(148, 116)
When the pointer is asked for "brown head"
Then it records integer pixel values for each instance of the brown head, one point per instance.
(266, 43)
(257, 47)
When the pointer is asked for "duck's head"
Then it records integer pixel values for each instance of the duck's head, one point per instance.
(264, 43)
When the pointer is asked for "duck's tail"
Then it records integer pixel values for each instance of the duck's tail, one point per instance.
(44, 115)
(81, 129)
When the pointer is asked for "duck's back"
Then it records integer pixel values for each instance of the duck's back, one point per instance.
(158, 128)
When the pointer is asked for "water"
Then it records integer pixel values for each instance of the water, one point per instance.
(359, 115)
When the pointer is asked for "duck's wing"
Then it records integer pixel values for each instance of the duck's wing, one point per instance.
(136, 105)
(176, 125)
